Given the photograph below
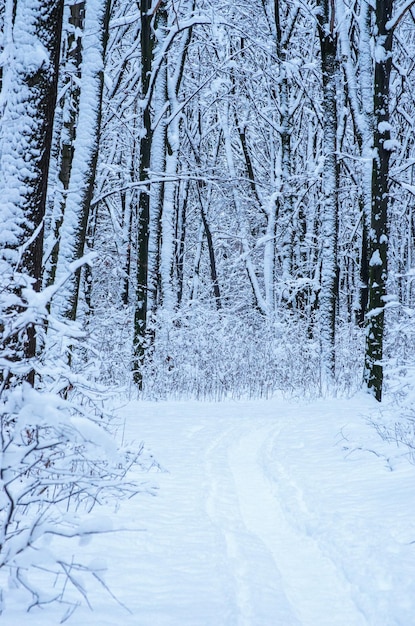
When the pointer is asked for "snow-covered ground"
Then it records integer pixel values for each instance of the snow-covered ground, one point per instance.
(269, 513)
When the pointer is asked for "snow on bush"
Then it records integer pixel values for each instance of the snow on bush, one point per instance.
(58, 454)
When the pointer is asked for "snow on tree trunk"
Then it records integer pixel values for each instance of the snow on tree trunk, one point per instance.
(266, 306)
(72, 232)
(143, 231)
(329, 207)
(358, 69)
(378, 233)
(65, 132)
(168, 226)
(159, 102)
(32, 33)
(284, 204)
(366, 120)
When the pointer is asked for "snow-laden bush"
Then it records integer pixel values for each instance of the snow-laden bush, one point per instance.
(208, 354)
(107, 355)
(199, 352)
(399, 351)
(58, 455)
(57, 462)
(397, 420)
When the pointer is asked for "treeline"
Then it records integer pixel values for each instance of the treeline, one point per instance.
(242, 173)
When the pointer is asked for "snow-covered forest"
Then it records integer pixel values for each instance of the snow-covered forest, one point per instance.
(199, 200)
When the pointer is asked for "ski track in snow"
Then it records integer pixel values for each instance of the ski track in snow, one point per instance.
(316, 591)
(271, 558)
(242, 564)
(218, 545)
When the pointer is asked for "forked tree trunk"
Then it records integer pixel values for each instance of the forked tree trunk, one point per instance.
(65, 133)
(358, 69)
(84, 156)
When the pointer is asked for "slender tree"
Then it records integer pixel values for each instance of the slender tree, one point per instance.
(329, 207)
(378, 234)
(147, 39)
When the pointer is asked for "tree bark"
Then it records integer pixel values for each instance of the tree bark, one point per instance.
(329, 206)
(76, 210)
(69, 111)
(143, 231)
(32, 35)
(378, 234)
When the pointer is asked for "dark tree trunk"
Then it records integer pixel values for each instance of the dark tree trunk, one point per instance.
(80, 169)
(70, 107)
(378, 235)
(212, 260)
(143, 230)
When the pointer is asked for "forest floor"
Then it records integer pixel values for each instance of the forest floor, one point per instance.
(267, 513)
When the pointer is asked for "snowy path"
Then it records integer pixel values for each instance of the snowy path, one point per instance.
(278, 571)
(310, 580)
(257, 522)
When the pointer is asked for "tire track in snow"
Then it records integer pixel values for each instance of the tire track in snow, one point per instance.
(317, 591)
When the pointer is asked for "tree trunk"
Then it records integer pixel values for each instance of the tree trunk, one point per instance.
(143, 231)
(159, 106)
(358, 70)
(378, 234)
(32, 34)
(69, 111)
(72, 233)
(329, 206)
(283, 206)
(169, 215)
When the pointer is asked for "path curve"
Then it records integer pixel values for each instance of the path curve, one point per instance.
(317, 591)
